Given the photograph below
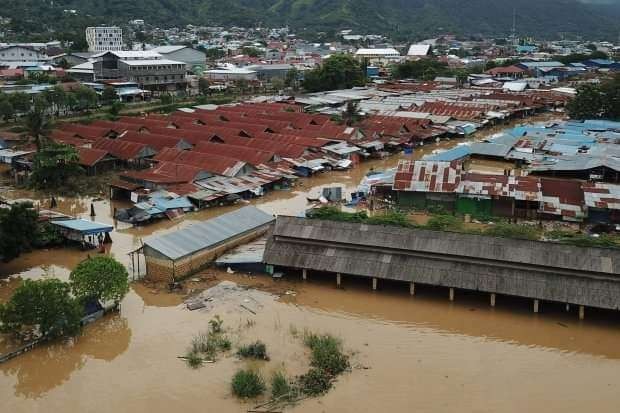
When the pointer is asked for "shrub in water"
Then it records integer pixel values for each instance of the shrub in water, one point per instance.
(326, 354)
(247, 384)
(193, 359)
(257, 350)
(315, 382)
(280, 387)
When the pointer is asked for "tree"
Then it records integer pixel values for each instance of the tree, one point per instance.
(18, 225)
(85, 97)
(102, 278)
(38, 125)
(21, 102)
(251, 51)
(203, 86)
(610, 90)
(351, 113)
(54, 167)
(109, 95)
(291, 78)
(42, 306)
(587, 104)
(6, 108)
(336, 72)
(115, 109)
(166, 98)
(426, 69)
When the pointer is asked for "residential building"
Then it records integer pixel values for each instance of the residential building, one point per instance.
(102, 39)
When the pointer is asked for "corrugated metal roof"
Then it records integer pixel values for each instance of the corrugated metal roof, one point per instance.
(207, 234)
(83, 226)
(428, 176)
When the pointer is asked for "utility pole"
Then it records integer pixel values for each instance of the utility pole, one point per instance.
(514, 27)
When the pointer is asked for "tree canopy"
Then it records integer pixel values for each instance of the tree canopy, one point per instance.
(54, 166)
(597, 101)
(336, 72)
(100, 277)
(18, 225)
(45, 306)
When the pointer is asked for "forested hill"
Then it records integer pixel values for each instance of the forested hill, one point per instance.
(540, 18)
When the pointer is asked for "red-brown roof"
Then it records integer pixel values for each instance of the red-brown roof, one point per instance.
(124, 150)
(250, 155)
(89, 156)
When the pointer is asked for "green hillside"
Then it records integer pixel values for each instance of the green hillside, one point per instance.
(542, 18)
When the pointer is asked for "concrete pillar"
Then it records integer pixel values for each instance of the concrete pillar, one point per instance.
(492, 299)
(412, 288)
(567, 307)
(451, 294)
(374, 284)
(582, 312)
(338, 279)
(304, 274)
(535, 306)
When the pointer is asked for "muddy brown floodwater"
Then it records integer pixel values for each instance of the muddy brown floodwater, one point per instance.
(419, 353)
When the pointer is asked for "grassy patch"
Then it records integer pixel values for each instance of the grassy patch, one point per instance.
(334, 214)
(248, 384)
(516, 231)
(444, 223)
(256, 350)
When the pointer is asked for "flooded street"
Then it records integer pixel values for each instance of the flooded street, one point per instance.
(419, 353)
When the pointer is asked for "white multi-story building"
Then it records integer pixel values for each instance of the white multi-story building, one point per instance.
(104, 39)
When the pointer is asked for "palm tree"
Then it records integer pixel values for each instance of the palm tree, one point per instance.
(38, 126)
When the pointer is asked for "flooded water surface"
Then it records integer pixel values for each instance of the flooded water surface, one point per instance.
(421, 353)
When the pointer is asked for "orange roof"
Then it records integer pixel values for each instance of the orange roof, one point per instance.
(89, 156)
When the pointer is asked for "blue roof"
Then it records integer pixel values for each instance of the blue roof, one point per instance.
(454, 154)
(83, 226)
(165, 204)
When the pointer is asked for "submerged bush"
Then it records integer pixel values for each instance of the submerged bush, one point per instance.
(326, 354)
(248, 384)
(257, 350)
(193, 359)
(315, 382)
(280, 387)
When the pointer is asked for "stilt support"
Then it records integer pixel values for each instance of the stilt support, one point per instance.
(582, 312)
(338, 279)
(412, 288)
(374, 284)
(304, 274)
(492, 299)
(536, 306)
(451, 294)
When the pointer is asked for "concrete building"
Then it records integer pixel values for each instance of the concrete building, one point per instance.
(378, 55)
(148, 69)
(195, 60)
(12, 57)
(103, 39)
(231, 74)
